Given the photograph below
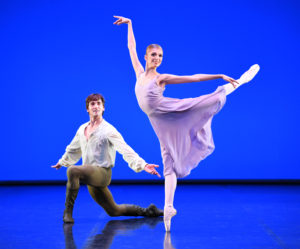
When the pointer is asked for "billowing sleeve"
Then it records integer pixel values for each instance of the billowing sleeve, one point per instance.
(73, 152)
(135, 162)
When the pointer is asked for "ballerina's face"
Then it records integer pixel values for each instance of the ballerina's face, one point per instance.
(154, 57)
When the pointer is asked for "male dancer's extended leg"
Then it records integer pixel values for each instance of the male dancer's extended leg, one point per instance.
(104, 198)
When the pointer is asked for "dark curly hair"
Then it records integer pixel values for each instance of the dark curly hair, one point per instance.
(94, 97)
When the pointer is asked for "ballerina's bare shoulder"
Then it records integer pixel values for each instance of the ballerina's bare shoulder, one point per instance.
(144, 80)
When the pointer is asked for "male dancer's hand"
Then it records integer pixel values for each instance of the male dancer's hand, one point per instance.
(150, 168)
(57, 166)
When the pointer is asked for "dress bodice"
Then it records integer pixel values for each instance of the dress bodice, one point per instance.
(148, 94)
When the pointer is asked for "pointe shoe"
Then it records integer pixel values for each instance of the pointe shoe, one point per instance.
(249, 75)
(169, 212)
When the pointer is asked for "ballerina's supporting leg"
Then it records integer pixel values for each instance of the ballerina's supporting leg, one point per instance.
(169, 211)
(246, 77)
(170, 187)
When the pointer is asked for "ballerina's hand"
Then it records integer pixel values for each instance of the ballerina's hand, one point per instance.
(150, 168)
(233, 82)
(121, 20)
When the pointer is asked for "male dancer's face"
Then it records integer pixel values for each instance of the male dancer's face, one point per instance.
(95, 108)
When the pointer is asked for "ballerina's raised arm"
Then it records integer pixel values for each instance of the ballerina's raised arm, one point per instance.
(164, 79)
(138, 68)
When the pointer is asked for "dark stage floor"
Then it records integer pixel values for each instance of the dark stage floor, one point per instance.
(209, 216)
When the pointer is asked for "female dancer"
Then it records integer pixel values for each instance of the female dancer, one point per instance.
(183, 126)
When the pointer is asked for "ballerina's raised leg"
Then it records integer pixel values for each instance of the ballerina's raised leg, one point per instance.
(245, 78)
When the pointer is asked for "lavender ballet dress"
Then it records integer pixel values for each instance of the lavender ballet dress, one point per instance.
(183, 126)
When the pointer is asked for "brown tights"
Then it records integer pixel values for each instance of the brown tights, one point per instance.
(97, 180)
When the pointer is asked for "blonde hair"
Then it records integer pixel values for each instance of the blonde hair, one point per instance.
(153, 46)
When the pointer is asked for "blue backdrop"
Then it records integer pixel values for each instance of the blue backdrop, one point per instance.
(55, 53)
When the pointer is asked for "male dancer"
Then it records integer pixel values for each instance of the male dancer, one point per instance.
(96, 142)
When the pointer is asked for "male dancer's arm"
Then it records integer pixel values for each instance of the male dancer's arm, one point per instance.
(135, 162)
(72, 154)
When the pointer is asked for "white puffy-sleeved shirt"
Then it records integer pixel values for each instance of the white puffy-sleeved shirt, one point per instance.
(100, 149)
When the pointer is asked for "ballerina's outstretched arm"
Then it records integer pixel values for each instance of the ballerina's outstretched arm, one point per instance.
(138, 68)
(165, 79)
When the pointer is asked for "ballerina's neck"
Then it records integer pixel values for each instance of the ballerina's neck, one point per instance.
(144, 80)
